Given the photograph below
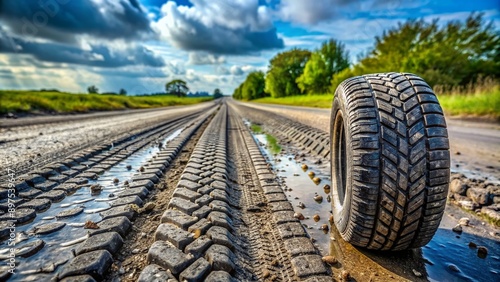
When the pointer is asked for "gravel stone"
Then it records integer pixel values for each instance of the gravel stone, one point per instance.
(201, 226)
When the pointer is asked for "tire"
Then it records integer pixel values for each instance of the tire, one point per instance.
(390, 161)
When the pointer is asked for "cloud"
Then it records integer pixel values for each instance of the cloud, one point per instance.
(305, 12)
(63, 21)
(219, 27)
(203, 58)
(93, 55)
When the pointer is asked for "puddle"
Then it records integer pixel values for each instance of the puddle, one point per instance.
(303, 189)
(59, 245)
(447, 257)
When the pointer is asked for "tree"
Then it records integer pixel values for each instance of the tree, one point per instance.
(237, 92)
(217, 93)
(93, 89)
(330, 59)
(123, 92)
(177, 87)
(453, 54)
(254, 85)
(284, 69)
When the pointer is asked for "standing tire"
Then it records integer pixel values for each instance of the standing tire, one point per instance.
(390, 161)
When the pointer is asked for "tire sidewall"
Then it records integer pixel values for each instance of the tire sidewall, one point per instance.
(341, 211)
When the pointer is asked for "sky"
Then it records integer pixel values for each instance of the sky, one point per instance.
(139, 45)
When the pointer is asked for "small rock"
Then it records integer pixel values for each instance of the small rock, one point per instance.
(304, 167)
(457, 228)
(111, 195)
(482, 251)
(299, 216)
(149, 206)
(95, 189)
(329, 199)
(457, 153)
(266, 273)
(318, 198)
(301, 205)
(136, 251)
(296, 174)
(116, 180)
(416, 273)
(316, 180)
(345, 275)
(142, 169)
(311, 174)
(453, 267)
(464, 221)
(121, 270)
(331, 220)
(125, 183)
(324, 227)
(327, 188)
(331, 260)
(478, 195)
(316, 217)
(90, 225)
(472, 245)
(458, 186)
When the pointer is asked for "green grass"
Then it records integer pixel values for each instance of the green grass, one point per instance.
(480, 104)
(256, 128)
(59, 102)
(272, 144)
(315, 101)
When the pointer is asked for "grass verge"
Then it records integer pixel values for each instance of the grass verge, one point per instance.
(60, 102)
(483, 104)
(256, 128)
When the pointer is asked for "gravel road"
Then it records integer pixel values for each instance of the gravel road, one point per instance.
(191, 194)
(475, 146)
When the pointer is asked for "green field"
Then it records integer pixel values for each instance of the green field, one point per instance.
(485, 104)
(59, 102)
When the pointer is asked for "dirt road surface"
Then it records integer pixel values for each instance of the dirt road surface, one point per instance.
(192, 194)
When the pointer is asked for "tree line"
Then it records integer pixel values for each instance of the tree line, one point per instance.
(455, 54)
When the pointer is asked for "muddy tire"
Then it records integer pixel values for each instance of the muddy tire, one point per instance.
(390, 161)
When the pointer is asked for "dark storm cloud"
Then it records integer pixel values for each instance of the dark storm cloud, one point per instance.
(62, 20)
(219, 27)
(98, 55)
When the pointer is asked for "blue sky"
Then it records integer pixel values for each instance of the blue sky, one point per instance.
(139, 45)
